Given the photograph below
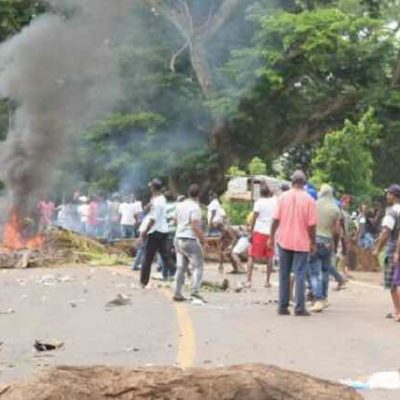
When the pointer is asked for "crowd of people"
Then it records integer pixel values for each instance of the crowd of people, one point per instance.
(113, 218)
(304, 232)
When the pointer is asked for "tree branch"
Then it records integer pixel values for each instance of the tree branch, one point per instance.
(314, 127)
(396, 73)
(178, 17)
(217, 21)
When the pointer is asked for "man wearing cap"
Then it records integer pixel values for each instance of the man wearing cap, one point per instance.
(296, 218)
(155, 234)
(390, 235)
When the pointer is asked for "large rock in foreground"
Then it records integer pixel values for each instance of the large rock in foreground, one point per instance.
(247, 382)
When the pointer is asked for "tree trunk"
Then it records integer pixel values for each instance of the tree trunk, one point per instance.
(198, 39)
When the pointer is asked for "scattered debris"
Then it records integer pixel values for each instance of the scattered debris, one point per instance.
(74, 303)
(216, 286)
(265, 302)
(120, 300)
(132, 349)
(7, 312)
(389, 380)
(48, 345)
(62, 246)
(197, 302)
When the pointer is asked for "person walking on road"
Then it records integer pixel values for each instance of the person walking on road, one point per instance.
(188, 241)
(263, 212)
(296, 218)
(328, 227)
(390, 236)
(155, 233)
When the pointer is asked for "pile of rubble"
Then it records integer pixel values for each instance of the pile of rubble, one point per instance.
(64, 247)
(246, 382)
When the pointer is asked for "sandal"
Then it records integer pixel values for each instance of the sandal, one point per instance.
(389, 316)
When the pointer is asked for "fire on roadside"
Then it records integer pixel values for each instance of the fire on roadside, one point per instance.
(18, 236)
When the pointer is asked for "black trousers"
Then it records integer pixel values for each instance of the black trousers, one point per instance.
(156, 242)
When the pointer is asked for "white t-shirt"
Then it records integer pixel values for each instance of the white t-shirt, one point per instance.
(83, 211)
(158, 213)
(138, 207)
(388, 221)
(265, 207)
(187, 212)
(219, 212)
(127, 211)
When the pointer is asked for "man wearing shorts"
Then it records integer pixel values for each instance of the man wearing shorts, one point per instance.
(264, 209)
(390, 235)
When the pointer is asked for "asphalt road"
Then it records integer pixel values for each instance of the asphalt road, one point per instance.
(351, 339)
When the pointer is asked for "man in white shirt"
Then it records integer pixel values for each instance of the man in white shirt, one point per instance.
(215, 215)
(189, 239)
(128, 211)
(83, 212)
(261, 223)
(156, 233)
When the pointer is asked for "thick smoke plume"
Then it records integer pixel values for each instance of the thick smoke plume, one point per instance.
(59, 75)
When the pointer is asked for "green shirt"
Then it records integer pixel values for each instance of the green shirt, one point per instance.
(327, 214)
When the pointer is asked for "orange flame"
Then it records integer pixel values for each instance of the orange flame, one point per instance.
(13, 238)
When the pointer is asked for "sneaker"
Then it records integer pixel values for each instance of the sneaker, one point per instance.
(198, 297)
(285, 311)
(325, 303)
(303, 313)
(318, 306)
(179, 298)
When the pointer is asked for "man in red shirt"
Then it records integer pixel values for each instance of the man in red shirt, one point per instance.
(296, 218)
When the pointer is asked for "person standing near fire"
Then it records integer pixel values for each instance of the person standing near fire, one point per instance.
(264, 209)
(46, 210)
(156, 233)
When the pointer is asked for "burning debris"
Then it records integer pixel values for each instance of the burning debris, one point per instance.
(57, 246)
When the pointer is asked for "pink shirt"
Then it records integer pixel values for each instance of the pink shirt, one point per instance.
(46, 212)
(296, 212)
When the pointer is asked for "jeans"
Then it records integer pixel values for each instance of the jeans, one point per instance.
(156, 242)
(139, 256)
(169, 272)
(336, 274)
(127, 231)
(367, 242)
(188, 251)
(320, 267)
(113, 230)
(295, 261)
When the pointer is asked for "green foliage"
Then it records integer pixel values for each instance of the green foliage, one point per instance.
(14, 14)
(237, 212)
(303, 74)
(235, 171)
(286, 72)
(345, 158)
(257, 167)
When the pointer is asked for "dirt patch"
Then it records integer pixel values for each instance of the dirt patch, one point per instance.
(247, 382)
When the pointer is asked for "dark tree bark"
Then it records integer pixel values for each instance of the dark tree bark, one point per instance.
(197, 39)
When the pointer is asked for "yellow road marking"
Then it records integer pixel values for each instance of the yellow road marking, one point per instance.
(187, 337)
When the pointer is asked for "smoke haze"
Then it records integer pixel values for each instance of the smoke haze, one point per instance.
(60, 75)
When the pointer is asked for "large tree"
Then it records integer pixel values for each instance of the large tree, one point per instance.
(199, 24)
